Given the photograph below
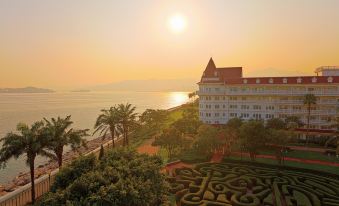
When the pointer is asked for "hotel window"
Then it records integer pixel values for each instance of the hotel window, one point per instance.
(257, 81)
(217, 89)
(283, 107)
(269, 116)
(313, 126)
(233, 114)
(330, 79)
(223, 98)
(313, 117)
(216, 114)
(271, 81)
(299, 80)
(296, 107)
(257, 107)
(216, 98)
(244, 115)
(233, 106)
(223, 106)
(223, 114)
(282, 116)
(245, 107)
(326, 118)
(284, 80)
(257, 116)
(270, 107)
(311, 89)
(216, 106)
(233, 98)
(245, 81)
(243, 98)
(314, 80)
(233, 89)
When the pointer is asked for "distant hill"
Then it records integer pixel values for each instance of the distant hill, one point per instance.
(149, 85)
(25, 90)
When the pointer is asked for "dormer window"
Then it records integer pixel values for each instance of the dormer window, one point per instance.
(330, 79)
(285, 80)
(257, 81)
(314, 80)
(270, 81)
(215, 73)
(299, 80)
(245, 81)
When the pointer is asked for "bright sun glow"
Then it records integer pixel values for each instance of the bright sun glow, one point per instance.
(178, 98)
(177, 23)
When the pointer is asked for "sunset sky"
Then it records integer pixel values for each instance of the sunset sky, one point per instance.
(70, 44)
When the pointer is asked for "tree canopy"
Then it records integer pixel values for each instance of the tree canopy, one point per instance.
(123, 177)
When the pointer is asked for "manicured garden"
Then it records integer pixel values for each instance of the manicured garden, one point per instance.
(247, 184)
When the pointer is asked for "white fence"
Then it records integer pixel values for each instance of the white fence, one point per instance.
(22, 195)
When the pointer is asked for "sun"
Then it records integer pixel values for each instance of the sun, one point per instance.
(177, 23)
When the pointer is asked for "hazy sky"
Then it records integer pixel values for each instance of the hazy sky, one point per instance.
(69, 44)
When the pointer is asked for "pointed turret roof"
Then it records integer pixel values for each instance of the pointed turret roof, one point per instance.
(212, 73)
(210, 65)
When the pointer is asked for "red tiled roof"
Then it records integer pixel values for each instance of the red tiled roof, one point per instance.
(224, 73)
(233, 75)
(280, 80)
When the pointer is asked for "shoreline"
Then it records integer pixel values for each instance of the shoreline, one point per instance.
(23, 178)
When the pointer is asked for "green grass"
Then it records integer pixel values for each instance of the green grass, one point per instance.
(164, 155)
(312, 156)
(324, 168)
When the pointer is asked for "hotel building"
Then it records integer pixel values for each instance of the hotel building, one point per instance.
(225, 94)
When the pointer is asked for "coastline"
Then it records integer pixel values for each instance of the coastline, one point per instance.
(23, 178)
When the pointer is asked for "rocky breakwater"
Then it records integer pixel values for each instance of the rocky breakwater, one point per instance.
(23, 178)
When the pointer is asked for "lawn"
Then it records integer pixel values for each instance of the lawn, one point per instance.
(324, 168)
(241, 184)
(310, 155)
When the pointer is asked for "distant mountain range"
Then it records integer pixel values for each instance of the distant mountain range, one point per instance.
(25, 90)
(150, 85)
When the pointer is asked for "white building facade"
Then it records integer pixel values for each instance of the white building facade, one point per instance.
(225, 94)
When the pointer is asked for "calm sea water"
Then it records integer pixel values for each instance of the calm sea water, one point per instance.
(84, 108)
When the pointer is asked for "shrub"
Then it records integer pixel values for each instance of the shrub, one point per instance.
(69, 173)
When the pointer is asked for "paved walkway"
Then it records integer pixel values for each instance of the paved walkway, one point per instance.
(147, 148)
(317, 162)
(217, 157)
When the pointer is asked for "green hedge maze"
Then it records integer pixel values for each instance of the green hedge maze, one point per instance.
(223, 184)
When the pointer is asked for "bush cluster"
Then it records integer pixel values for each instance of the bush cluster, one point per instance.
(121, 177)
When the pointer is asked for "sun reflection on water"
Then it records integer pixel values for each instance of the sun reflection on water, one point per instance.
(178, 98)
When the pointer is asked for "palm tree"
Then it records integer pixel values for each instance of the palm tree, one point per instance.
(127, 119)
(29, 141)
(108, 121)
(309, 100)
(61, 135)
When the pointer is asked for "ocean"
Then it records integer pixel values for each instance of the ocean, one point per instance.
(84, 108)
